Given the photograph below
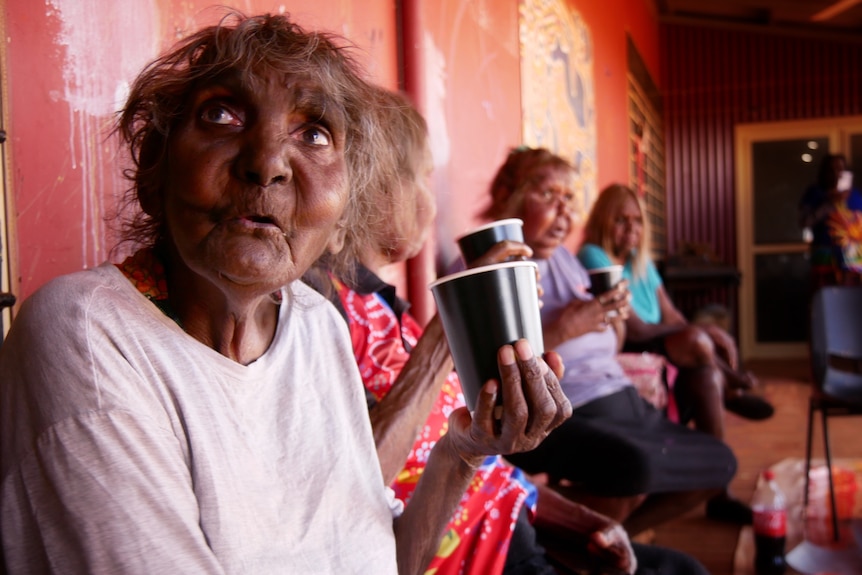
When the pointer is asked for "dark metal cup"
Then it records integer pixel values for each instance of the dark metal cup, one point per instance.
(483, 309)
(604, 279)
(475, 243)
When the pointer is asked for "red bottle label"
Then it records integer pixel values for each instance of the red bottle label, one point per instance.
(770, 522)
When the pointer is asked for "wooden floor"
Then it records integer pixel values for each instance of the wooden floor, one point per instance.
(758, 445)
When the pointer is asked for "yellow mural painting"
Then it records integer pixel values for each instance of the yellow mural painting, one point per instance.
(557, 91)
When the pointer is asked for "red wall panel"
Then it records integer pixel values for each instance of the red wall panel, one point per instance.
(610, 21)
(462, 66)
(68, 66)
(68, 63)
(462, 69)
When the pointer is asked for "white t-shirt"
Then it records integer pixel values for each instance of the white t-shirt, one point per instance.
(130, 447)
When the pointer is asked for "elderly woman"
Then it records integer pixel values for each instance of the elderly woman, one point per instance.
(615, 446)
(196, 408)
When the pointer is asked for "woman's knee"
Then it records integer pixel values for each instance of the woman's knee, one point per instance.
(628, 472)
(722, 461)
(690, 347)
(700, 382)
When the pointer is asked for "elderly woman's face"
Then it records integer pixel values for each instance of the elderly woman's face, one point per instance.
(549, 208)
(628, 227)
(256, 181)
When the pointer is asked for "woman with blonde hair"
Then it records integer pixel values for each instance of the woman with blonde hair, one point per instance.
(617, 232)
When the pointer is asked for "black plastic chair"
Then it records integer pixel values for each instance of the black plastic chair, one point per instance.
(836, 369)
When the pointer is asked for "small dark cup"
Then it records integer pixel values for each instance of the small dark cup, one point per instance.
(483, 309)
(604, 279)
(475, 243)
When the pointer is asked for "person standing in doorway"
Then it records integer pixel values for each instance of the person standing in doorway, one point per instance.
(831, 211)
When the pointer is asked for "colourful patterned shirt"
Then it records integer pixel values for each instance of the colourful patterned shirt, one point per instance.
(478, 535)
(845, 229)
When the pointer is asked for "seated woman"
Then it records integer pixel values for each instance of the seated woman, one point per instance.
(408, 376)
(196, 408)
(631, 448)
(617, 232)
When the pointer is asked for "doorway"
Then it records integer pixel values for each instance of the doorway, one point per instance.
(775, 162)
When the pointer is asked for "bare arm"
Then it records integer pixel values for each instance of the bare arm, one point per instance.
(672, 321)
(585, 316)
(670, 315)
(533, 405)
(576, 319)
(420, 527)
(725, 346)
(397, 419)
(606, 539)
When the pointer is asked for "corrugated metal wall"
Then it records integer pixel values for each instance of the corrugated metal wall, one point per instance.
(716, 78)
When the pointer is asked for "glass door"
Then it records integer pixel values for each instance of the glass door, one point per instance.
(775, 163)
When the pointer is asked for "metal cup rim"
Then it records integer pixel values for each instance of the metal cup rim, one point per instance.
(605, 269)
(489, 225)
(480, 270)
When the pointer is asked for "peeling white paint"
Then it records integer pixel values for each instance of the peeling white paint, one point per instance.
(434, 100)
(104, 45)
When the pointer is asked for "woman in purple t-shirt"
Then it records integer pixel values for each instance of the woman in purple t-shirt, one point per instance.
(616, 448)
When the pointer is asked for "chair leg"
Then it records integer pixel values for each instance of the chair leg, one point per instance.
(823, 414)
(811, 410)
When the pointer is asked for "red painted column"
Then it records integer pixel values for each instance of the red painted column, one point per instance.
(420, 270)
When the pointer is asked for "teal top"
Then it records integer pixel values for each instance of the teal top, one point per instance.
(644, 290)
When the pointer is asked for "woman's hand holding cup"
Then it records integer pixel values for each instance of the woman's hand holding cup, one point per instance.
(533, 404)
(616, 302)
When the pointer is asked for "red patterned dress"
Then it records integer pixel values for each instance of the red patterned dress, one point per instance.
(478, 535)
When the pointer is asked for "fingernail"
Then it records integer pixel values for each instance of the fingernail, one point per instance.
(491, 387)
(523, 350)
(507, 355)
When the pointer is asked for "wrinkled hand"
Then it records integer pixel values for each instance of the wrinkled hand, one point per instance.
(506, 251)
(611, 546)
(533, 405)
(616, 303)
(580, 317)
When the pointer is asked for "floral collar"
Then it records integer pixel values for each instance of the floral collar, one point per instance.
(147, 273)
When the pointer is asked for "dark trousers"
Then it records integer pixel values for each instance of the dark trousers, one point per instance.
(620, 446)
(526, 555)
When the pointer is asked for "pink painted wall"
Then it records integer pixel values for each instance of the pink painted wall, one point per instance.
(464, 72)
(69, 64)
(469, 89)
(462, 69)
(610, 21)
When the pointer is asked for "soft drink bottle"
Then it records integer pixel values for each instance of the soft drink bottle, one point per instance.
(770, 527)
